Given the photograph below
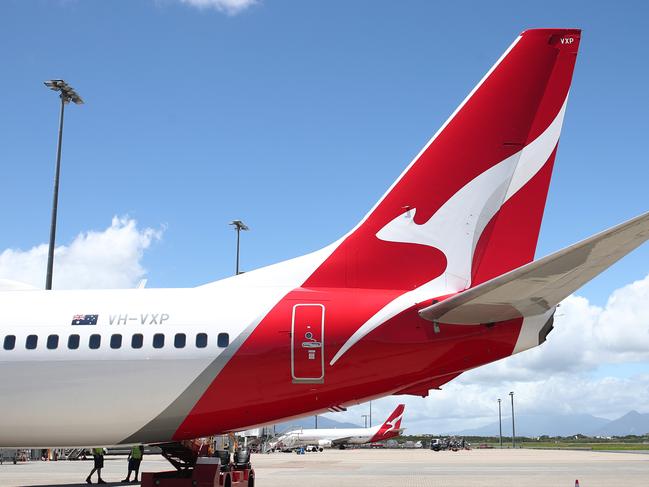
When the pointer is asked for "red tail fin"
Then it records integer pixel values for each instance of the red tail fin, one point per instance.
(469, 206)
(392, 425)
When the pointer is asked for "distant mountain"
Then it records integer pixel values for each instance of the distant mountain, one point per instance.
(537, 425)
(309, 422)
(632, 423)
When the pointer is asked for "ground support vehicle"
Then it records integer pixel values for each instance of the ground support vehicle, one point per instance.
(194, 470)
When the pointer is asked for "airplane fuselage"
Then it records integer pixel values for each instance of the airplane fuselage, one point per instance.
(145, 365)
(453, 238)
(326, 437)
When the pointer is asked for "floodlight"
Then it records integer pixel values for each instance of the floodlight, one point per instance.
(67, 92)
(239, 225)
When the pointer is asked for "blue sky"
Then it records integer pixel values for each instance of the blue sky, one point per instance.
(294, 116)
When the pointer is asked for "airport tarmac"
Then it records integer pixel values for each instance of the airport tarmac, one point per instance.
(378, 468)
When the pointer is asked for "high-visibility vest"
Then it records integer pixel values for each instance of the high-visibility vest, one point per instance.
(98, 451)
(136, 453)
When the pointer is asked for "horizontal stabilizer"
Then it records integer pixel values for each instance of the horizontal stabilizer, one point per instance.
(535, 288)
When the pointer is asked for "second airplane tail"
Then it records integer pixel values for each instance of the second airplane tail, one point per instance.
(392, 425)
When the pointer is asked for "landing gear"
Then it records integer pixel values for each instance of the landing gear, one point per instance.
(194, 470)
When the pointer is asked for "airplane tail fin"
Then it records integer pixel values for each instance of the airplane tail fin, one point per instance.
(469, 206)
(392, 425)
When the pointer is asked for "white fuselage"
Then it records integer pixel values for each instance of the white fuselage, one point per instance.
(93, 397)
(327, 437)
(63, 396)
(76, 396)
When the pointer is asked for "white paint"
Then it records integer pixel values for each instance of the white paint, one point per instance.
(100, 397)
(456, 227)
(536, 154)
(336, 436)
(326, 437)
(11, 285)
(530, 329)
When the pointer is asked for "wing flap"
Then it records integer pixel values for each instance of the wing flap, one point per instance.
(535, 288)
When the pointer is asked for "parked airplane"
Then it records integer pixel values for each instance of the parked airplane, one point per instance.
(339, 437)
(437, 279)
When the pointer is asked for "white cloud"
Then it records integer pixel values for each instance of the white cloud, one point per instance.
(231, 7)
(561, 376)
(622, 329)
(107, 259)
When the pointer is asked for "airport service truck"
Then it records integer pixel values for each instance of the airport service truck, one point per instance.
(195, 469)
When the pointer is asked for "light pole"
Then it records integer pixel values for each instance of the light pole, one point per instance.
(238, 226)
(500, 424)
(364, 416)
(511, 394)
(67, 95)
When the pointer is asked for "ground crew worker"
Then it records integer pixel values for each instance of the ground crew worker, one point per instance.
(98, 456)
(134, 460)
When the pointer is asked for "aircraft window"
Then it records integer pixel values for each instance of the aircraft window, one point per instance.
(94, 342)
(31, 342)
(73, 342)
(137, 340)
(52, 342)
(201, 340)
(158, 340)
(223, 340)
(10, 342)
(116, 341)
(179, 340)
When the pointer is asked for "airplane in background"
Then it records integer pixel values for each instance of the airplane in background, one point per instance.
(437, 279)
(340, 437)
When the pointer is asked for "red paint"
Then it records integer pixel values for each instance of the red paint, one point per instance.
(390, 428)
(511, 108)
(403, 351)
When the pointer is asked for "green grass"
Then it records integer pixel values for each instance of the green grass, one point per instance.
(626, 443)
(586, 446)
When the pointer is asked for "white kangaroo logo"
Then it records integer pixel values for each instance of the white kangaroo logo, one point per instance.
(392, 425)
(457, 226)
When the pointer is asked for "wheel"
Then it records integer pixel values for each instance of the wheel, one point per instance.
(251, 480)
(228, 482)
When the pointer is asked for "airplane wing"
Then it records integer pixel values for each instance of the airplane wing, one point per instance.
(536, 287)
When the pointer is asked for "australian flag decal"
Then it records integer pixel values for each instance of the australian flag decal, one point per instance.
(85, 319)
